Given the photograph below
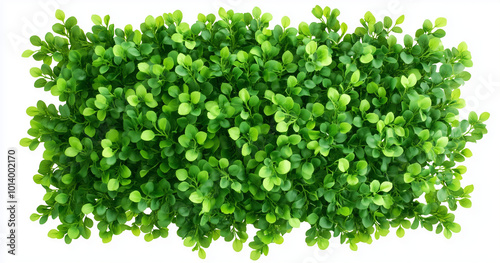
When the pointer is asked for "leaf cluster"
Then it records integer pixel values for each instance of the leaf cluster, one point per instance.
(227, 123)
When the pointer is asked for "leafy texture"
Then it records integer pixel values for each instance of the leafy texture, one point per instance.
(227, 123)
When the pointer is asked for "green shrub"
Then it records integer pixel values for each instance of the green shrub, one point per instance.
(224, 123)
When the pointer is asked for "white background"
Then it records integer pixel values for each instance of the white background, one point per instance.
(476, 22)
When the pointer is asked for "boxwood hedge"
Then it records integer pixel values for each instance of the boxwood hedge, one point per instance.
(226, 123)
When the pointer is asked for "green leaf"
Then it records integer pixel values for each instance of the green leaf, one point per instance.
(237, 245)
(34, 217)
(440, 22)
(294, 222)
(442, 194)
(372, 117)
(400, 20)
(268, 184)
(226, 88)
(311, 47)
(414, 169)
(181, 174)
(195, 97)
(324, 56)
(96, 20)
(73, 232)
(36, 72)
(265, 172)
(345, 127)
(465, 203)
(191, 155)
(35, 41)
(147, 135)
(400, 232)
(271, 218)
(25, 142)
(183, 186)
(343, 164)
(224, 52)
(135, 196)
(447, 233)
(442, 142)
(283, 167)
(307, 170)
(107, 152)
(355, 76)
(234, 133)
(133, 100)
(27, 53)
(113, 184)
(244, 95)
(484, 116)
(374, 186)
(318, 109)
(61, 198)
(201, 137)
(71, 152)
(255, 255)
(196, 197)
(386, 186)
(227, 208)
(75, 143)
(178, 38)
(184, 108)
(366, 59)
(87, 208)
(285, 21)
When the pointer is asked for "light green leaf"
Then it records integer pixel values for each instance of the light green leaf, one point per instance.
(374, 186)
(97, 20)
(227, 208)
(343, 164)
(345, 127)
(268, 184)
(61, 198)
(184, 108)
(147, 135)
(265, 172)
(234, 133)
(386, 186)
(283, 167)
(294, 222)
(372, 117)
(355, 76)
(442, 142)
(400, 232)
(307, 170)
(113, 184)
(414, 169)
(201, 137)
(196, 197)
(440, 22)
(244, 95)
(87, 208)
(318, 109)
(71, 152)
(135, 196)
(191, 155)
(88, 112)
(311, 47)
(237, 245)
(75, 143)
(285, 21)
(107, 152)
(73, 232)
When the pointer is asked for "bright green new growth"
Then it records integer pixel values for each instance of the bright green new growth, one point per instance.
(225, 123)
